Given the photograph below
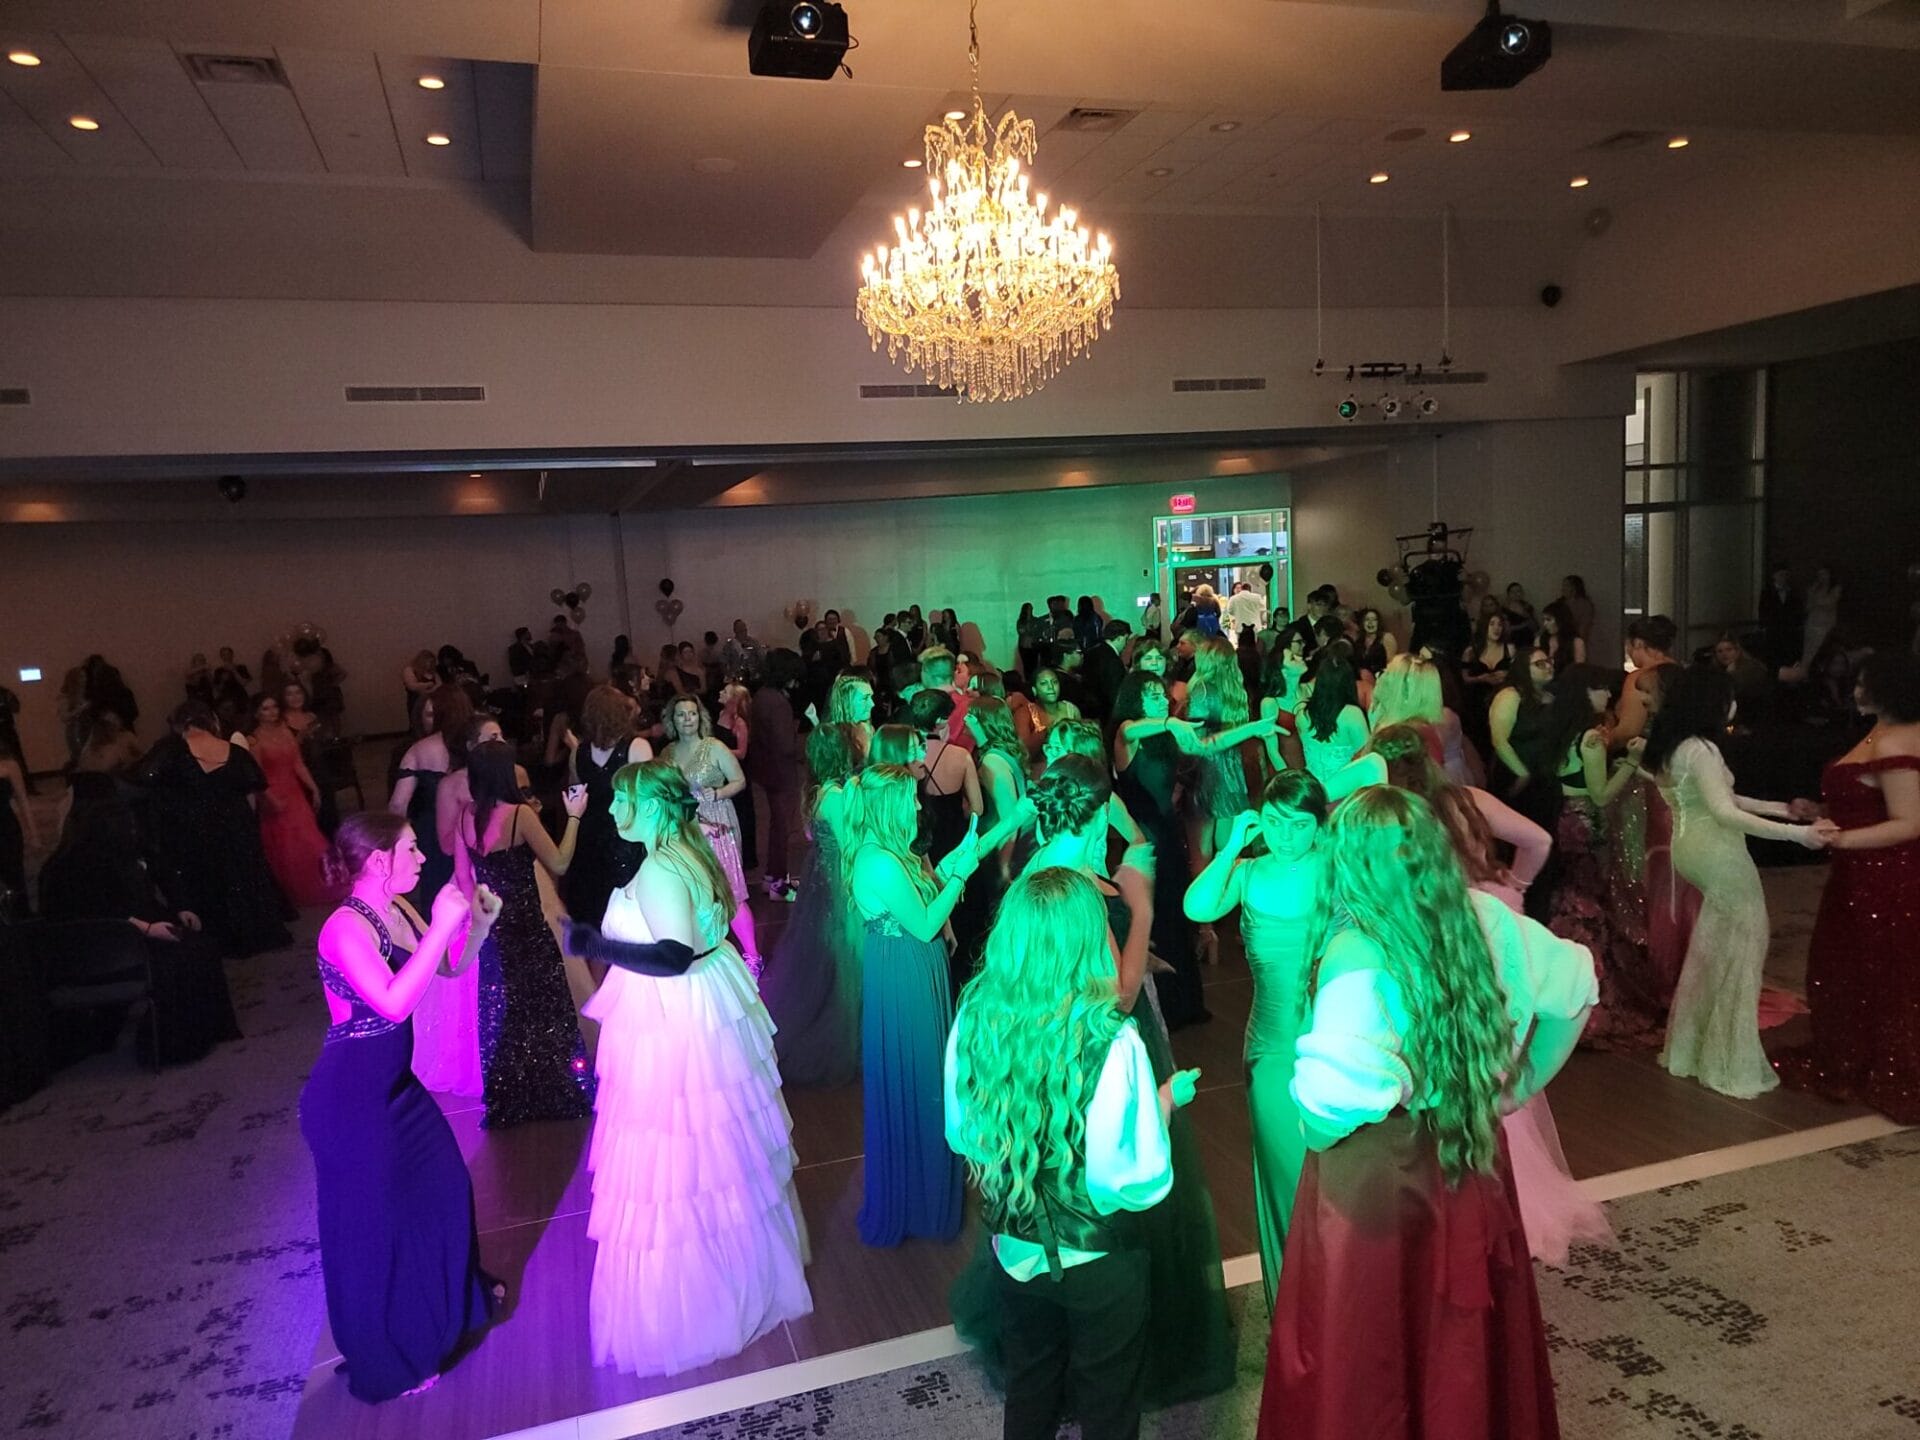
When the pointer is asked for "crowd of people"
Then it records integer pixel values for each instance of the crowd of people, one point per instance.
(1450, 866)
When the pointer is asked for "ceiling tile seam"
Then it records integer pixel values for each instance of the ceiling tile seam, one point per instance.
(301, 110)
(132, 129)
(34, 120)
(213, 114)
(393, 121)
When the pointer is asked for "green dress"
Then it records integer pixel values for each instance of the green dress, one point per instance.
(1277, 954)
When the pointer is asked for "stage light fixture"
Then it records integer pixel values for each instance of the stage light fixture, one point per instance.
(1349, 409)
(233, 488)
(1498, 53)
(1389, 406)
(803, 41)
(1426, 405)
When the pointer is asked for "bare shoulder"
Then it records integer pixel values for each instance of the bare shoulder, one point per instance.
(1350, 952)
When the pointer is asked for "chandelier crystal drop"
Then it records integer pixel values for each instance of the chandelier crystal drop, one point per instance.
(985, 292)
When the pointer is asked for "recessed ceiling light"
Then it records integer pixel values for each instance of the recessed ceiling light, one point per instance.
(911, 164)
(438, 139)
(431, 82)
(475, 475)
(83, 122)
(23, 57)
(1160, 171)
(1678, 142)
(1578, 182)
(956, 115)
(1224, 126)
(1379, 177)
(1459, 137)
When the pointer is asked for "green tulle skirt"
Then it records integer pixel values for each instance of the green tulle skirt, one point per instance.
(1190, 1344)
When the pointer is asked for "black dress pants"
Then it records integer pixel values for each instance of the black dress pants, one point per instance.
(1077, 1346)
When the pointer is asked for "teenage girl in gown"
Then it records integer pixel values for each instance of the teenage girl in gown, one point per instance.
(289, 833)
(399, 1249)
(1406, 1305)
(913, 1182)
(1863, 968)
(1280, 891)
(699, 1238)
(1713, 1032)
(533, 1058)
(716, 778)
(812, 986)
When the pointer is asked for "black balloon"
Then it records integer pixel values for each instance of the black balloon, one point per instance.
(666, 587)
(1266, 572)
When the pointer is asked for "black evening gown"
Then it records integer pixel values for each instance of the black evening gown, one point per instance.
(206, 842)
(436, 867)
(399, 1248)
(602, 861)
(1146, 788)
(533, 1058)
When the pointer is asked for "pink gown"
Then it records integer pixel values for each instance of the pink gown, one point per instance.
(288, 831)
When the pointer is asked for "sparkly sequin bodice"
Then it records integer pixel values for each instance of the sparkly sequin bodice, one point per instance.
(1852, 803)
(362, 1022)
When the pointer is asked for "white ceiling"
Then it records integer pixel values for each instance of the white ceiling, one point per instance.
(631, 95)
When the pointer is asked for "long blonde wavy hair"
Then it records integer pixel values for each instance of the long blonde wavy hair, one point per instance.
(883, 810)
(1034, 1030)
(681, 843)
(1218, 692)
(1395, 871)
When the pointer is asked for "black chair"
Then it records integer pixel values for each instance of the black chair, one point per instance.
(92, 964)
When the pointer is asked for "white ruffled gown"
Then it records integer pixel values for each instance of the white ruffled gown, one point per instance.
(701, 1245)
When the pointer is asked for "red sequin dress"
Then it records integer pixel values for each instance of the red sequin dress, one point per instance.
(1863, 967)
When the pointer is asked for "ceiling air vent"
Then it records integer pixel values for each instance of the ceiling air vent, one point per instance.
(908, 392)
(1091, 121)
(413, 394)
(1216, 383)
(235, 69)
(16, 397)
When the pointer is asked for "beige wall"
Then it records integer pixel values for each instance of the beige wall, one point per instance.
(1543, 499)
(213, 377)
(147, 596)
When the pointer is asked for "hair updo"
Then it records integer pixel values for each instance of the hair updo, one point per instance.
(1066, 799)
(361, 836)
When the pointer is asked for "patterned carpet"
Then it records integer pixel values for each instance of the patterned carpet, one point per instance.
(1771, 1304)
(157, 1239)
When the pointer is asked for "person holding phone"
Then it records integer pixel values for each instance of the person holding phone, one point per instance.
(533, 1059)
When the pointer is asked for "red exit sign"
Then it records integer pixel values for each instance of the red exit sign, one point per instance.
(1183, 504)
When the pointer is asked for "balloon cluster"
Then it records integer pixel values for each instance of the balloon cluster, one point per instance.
(305, 638)
(666, 607)
(800, 612)
(573, 601)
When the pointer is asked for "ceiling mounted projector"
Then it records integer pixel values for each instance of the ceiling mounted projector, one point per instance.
(807, 40)
(1499, 52)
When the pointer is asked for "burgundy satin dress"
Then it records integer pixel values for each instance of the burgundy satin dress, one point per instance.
(1863, 966)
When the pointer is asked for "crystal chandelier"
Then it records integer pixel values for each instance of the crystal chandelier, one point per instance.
(985, 293)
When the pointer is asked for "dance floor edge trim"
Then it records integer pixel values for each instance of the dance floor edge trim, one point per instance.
(683, 1407)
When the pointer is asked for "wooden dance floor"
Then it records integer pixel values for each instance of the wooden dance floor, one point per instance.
(1615, 1112)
